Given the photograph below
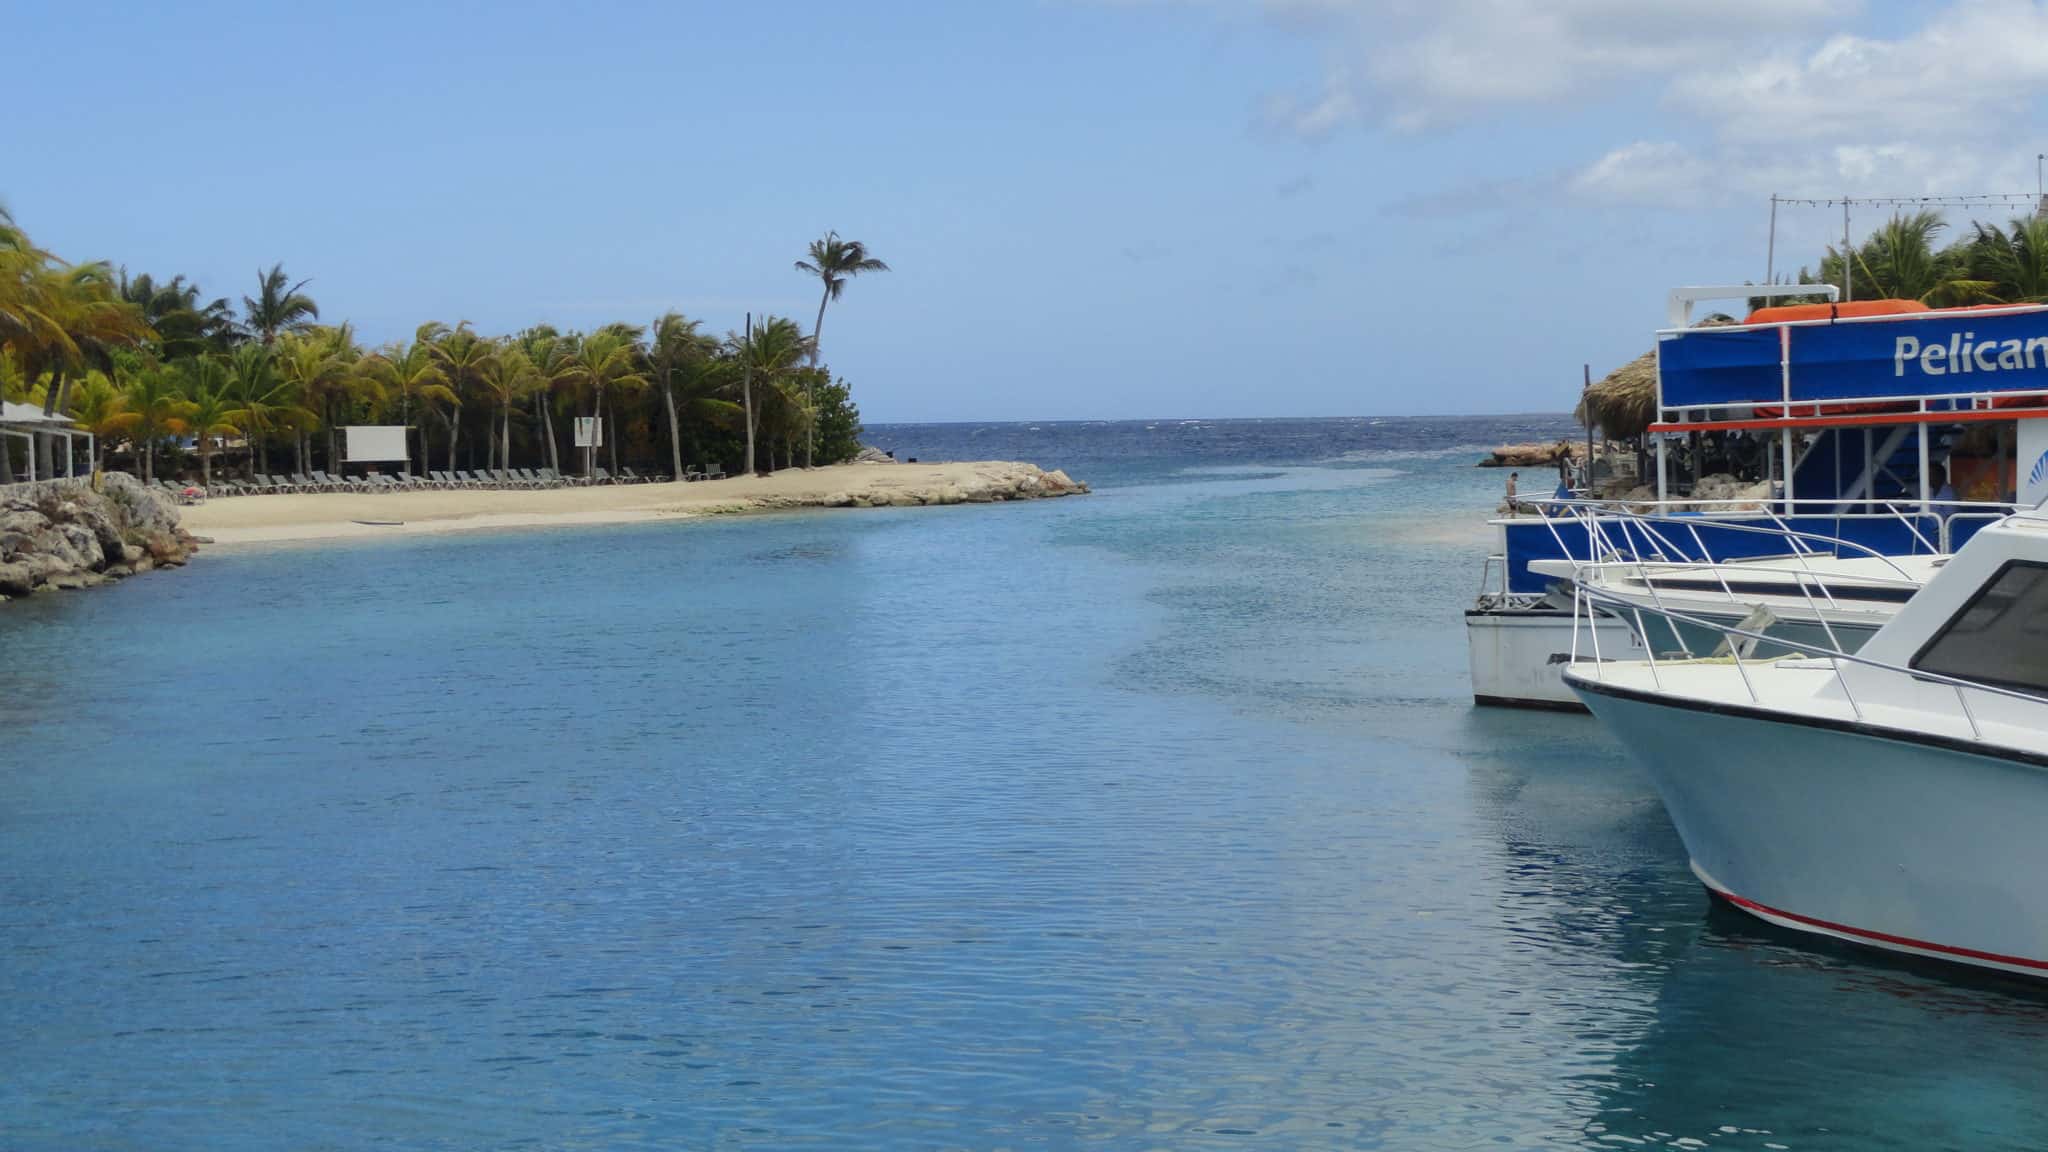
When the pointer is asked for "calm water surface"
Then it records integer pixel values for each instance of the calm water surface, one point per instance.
(1153, 819)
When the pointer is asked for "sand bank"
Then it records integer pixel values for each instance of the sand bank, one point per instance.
(332, 515)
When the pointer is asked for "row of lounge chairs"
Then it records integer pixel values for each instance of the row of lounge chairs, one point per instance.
(501, 478)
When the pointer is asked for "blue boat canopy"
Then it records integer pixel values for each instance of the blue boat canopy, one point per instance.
(1941, 355)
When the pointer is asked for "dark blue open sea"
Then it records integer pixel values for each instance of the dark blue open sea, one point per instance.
(1153, 819)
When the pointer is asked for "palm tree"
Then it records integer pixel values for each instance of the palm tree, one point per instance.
(153, 396)
(278, 305)
(545, 349)
(1900, 261)
(312, 363)
(265, 402)
(183, 325)
(98, 407)
(208, 410)
(2016, 264)
(508, 377)
(770, 352)
(833, 261)
(603, 361)
(410, 373)
(676, 351)
(462, 354)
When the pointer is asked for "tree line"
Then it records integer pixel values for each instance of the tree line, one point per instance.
(155, 370)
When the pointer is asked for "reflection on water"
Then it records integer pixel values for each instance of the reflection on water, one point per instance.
(1155, 819)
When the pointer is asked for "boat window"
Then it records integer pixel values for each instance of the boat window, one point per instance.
(2001, 636)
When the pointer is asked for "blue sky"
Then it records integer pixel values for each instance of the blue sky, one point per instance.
(1093, 209)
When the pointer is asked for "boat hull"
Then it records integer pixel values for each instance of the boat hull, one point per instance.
(1516, 655)
(1919, 845)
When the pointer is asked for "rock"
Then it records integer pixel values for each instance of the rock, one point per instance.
(17, 579)
(950, 494)
(118, 572)
(839, 500)
(79, 536)
(75, 580)
(1532, 455)
(868, 455)
(130, 554)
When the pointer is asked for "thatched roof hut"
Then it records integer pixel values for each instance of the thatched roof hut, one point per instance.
(1623, 403)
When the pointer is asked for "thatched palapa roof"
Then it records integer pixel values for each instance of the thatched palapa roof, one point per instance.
(1623, 403)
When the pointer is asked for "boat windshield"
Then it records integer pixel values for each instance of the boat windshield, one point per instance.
(2000, 636)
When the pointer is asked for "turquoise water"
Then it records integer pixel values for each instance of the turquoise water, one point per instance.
(1157, 818)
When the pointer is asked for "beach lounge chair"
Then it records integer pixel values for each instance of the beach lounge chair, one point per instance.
(599, 476)
(713, 472)
(511, 479)
(532, 479)
(636, 478)
(304, 483)
(554, 477)
(327, 483)
(473, 480)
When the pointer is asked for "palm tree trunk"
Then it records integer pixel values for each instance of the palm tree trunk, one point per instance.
(333, 458)
(454, 434)
(818, 329)
(205, 463)
(611, 439)
(547, 424)
(505, 419)
(675, 436)
(6, 460)
(148, 461)
(301, 469)
(747, 394)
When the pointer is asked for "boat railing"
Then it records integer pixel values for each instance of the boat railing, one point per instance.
(1648, 537)
(1739, 638)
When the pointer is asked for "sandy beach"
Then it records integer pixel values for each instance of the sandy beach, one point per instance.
(333, 515)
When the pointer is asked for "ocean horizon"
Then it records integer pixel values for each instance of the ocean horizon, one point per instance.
(1155, 817)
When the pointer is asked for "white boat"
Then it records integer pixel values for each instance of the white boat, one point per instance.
(1895, 797)
(1811, 588)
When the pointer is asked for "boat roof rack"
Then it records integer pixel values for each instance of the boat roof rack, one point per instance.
(1678, 305)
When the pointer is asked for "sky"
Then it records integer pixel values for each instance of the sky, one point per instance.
(1091, 209)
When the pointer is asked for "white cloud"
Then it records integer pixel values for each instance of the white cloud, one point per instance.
(1411, 67)
(1645, 172)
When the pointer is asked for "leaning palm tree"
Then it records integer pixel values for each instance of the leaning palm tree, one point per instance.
(833, 261)
(278, 305)
(676, 352)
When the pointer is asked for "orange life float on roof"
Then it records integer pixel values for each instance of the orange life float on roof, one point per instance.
(1784, 313)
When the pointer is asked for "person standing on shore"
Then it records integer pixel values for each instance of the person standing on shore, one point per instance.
(1512, 478)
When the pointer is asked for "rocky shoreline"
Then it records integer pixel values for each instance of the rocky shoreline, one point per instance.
(74, 535)
(988, 484)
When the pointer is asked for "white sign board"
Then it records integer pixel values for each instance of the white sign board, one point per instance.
(374, 443)
(2032, 462)
(589, 432)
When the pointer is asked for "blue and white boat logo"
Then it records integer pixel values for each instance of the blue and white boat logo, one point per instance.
(2039, 474)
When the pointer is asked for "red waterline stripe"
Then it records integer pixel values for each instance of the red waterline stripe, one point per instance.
(1850, 420)
(1885, 937)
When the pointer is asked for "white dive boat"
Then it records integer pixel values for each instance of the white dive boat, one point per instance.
(1895, 797)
